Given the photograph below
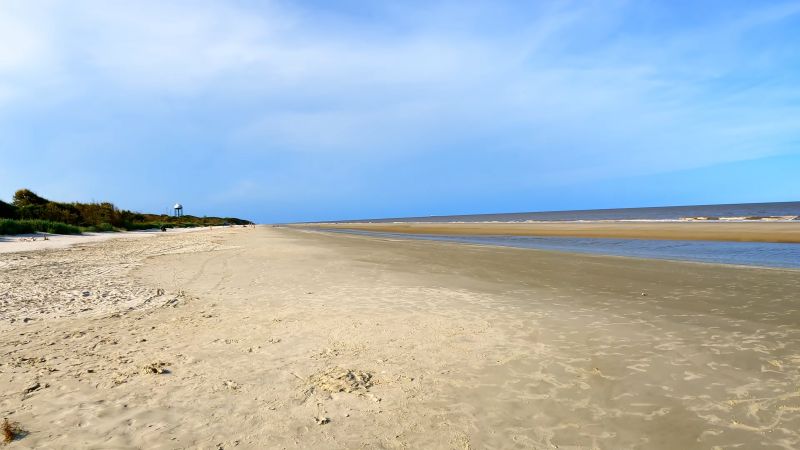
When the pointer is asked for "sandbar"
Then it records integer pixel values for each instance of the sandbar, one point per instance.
(785, 232)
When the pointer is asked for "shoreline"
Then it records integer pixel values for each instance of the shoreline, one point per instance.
(570, 252)
(778, 232)
(282, 338)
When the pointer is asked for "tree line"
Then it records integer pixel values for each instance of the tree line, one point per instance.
(28, 207)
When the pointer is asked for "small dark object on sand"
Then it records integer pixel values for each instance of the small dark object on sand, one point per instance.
(322, 420)
(163, 228)
(33, 387)
(155, 368)
(11, 431)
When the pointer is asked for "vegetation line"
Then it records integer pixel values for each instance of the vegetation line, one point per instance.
(30, 213)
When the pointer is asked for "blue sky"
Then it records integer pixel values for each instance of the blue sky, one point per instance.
(315, 110)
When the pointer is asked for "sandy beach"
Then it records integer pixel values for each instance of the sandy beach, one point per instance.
(47, 241)
(289, 338)
(787, 232)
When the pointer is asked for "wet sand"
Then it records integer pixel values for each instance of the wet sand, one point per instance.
(284, 338)
(786, 232)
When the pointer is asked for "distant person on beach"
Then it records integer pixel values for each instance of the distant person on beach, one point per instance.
(163, 228)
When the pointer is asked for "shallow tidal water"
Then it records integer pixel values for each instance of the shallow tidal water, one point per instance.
(762, 254)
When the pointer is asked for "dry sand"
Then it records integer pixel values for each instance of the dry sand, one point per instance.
(283, 338)
(788, 232)
(47, 241)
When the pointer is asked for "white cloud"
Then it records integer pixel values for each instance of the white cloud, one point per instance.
(538, 89)
(25, 46)
(26, 53)
(160, 45)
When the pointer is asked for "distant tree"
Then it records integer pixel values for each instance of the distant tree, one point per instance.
(57, 212)
(26, 197)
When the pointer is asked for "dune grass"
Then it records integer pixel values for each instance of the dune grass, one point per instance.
(105, 226)
(12, 226)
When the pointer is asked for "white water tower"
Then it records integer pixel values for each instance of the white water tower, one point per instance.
(178, 209)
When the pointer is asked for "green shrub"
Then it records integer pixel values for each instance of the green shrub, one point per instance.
(12, 226)
(105, 226)
(137, 226)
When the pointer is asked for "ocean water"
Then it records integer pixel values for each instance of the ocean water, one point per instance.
(740, 253)
(742, 210)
